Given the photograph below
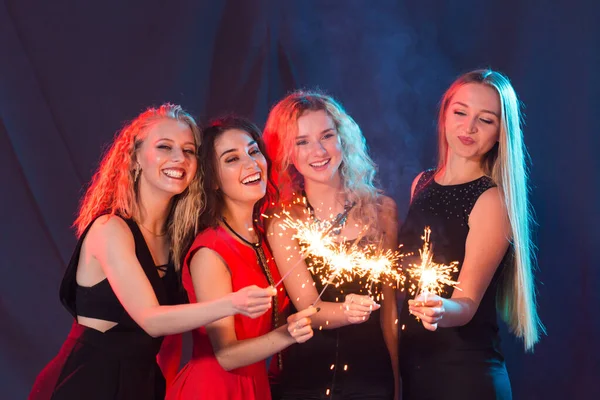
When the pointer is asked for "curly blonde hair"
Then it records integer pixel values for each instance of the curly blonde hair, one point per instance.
(357, 169)
(113, 188)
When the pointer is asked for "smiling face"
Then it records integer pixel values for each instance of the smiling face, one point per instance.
(241, 167)
(167, 158)
(472, 121)
(318, 149)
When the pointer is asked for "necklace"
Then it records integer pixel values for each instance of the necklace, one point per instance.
(152, 232)
(262, 261)
(336, 225)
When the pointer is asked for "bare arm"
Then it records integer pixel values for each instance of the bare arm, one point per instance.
(110, 242)
(212, 280)
(388, 217)
(487, 242)
(300, 285)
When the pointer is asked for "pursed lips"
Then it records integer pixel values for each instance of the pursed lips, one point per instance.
(466, 140)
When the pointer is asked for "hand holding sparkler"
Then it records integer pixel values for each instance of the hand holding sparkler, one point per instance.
(299, 325)
(358, 308)
(432, 278)
(252, 301)
(430, 310)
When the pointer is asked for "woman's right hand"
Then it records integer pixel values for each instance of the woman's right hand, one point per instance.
(358, 308)
(252, 301)
(299, 326)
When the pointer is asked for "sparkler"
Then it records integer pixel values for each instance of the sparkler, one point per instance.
(341, 262)
(432, 277)
(380, 265)
(338, 262)
(313, 235)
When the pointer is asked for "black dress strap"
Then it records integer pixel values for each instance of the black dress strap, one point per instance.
(426, 178)
(68, 287)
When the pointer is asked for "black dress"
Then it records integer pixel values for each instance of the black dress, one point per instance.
(350, 362)
(463, 362)
(119, 363)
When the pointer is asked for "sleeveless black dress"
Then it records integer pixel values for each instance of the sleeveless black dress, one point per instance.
(119, 363)
(462, 362)
(350, 362)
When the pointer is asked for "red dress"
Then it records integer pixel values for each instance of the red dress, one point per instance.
(203, 377)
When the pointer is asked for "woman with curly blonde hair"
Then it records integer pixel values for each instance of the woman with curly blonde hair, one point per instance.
(322, 169)
(136, 220)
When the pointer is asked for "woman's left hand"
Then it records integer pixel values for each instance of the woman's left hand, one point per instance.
(358, 308)
(429, 310)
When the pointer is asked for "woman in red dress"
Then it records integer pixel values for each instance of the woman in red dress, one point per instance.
(228, 360)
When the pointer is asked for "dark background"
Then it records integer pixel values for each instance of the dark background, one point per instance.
(72, 72)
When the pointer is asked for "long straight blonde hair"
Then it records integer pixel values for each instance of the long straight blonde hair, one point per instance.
(113, 189)
(506, 165)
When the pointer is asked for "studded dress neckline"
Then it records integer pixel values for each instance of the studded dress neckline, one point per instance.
(433, 181)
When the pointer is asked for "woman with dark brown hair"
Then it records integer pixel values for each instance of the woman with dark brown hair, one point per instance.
(228, 360)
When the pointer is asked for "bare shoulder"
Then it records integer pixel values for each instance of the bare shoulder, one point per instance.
(490, 210)
(208, 260)
(387, 214)
(387, 206)
(275, 217)
(111, 242)
(110, 229)
(490, 201)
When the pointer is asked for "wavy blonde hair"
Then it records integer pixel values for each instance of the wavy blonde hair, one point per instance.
(506, 165)
(114, 190)
(357, 169)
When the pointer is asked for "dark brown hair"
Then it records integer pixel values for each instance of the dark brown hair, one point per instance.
(208, 164)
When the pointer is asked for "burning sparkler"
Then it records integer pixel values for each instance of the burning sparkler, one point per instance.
(431, 277)
(337, 262)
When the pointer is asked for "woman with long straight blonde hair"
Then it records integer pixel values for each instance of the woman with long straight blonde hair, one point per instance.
(476, 206)
(136, 219)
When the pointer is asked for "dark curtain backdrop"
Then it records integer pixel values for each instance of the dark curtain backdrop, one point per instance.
(72, 72)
